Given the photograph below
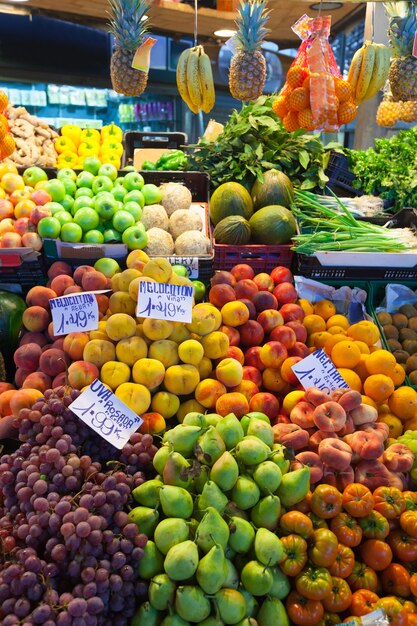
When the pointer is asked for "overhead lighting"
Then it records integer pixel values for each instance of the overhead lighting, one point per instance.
(224, 33)
(326, 6)
(17, 0)
(142, 19)
(14, 10)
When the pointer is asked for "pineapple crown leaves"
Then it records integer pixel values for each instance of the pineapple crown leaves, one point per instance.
(126, 23)
(251, 31)
(402, 26)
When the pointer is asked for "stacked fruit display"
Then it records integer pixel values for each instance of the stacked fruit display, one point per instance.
(7, 143)
(34, 139)
(399, 329)
(77, 148)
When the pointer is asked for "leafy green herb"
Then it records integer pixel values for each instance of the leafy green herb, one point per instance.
(254, 141)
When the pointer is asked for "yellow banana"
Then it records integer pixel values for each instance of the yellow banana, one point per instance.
(206, 82)
(355, 68)
(182, 79)
(380, 70)
(193, 81)
(365, 74)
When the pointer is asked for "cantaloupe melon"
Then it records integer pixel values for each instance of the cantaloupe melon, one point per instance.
(273, 225)
(276, 189)
(230, 199)
(233, 230)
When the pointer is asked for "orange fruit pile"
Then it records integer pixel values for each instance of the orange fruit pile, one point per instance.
(7, 143)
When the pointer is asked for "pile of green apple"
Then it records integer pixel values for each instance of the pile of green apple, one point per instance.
(97, 207)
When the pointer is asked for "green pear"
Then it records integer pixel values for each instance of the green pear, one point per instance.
(145, 519)
(245, 492)
(242, 535)
(161, 592)
(271, 612)
(232, 576)
(212, 419)
(192, 527)
(281, 586)
(268, 547)
(152, 561)
(181, 561)
(194, 419)
(146, 615)
(278, 456)
(257, 415)
(212, 496)
(202, 478)
(212, 530)
(225, 471)
(147, 494)
(169, 532)
(209, 447)
(252, 451)
(211, 620)
(160, 458)
(212, 570)
(174, 620)
(176, 501)
(230, 605)
(232, 510)
(183, 438)
(247, 621)
(256, 578)
(266, 513)
(294, 486)
(230, 430)
(251, 602)
(229, 553)
(191, 604)
(262, 430)
(267, 476)
(176, 471)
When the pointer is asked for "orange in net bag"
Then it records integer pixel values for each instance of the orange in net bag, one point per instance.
(315, 96)
(7, 143)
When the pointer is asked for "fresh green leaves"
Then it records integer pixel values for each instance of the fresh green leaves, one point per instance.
(254, 141)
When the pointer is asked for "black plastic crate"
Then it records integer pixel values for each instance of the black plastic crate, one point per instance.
(21, 275)
(340, 177)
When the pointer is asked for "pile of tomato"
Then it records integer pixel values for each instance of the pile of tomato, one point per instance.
(351, 553)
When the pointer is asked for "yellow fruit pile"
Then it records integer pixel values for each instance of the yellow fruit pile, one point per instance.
(7, 143)
(390, 112)
(75, 145)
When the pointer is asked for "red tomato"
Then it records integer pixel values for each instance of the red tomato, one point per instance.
(393, 608)
(413, 585)
(395, 580)
(358, 501)
(340, 596)
(363, 577)
(374, 526)
(376, 554)
(410, 498)
(318, 522)
(324, 545)
(408, 522)
(304, 505)
(295, 555)
(403, 546)
(408, 605)
(363, 602)
(389, 501)
(345, 560)
(303, 612)
(297, 523)
(314, 583)
(326, 501)
(329, 619)
(346, 529)
(412, 619)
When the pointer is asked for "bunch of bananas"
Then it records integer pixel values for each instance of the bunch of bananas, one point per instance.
(195, 79)
(368, 71)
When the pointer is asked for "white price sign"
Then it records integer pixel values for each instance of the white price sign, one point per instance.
(189, 262)
(317, 370)
(105, 413)
(77, 312)
(163, 301)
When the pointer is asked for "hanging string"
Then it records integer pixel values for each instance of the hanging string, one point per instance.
(373, 21)
(320, 7)
(195, 22)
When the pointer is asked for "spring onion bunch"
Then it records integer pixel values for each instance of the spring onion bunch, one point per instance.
(324, 228)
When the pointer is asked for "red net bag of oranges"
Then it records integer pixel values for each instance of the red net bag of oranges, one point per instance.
(315, 96)
(7, 143)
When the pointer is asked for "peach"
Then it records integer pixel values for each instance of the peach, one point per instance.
(247, 388)
(219, 295)
(181, 379)
(348, 428)
(53, 361)
(24, 399)
(302, 414)
(241, 271)
(32, 240)
(299, 329)
(122, 326)
(312, 461)
(165, 403)
(372, 474)
(286, 369)
(350, 400)
(98, 352)
(232, 333)
(205, 368)
(229, 372)
(38, 213)
(253, 359)
(57, 268)
(60, 283)
(291, 400)
(203, 321)
(36, 319)
(270, 319)
(300, 349)
(6, 226)
(273, 354)
(40, 197)
(114, 374)
(159, 269)
(148, 372)
(285, 293)
(366, 445)
(329, 417)
(93, 281)
(50, 332)
(251, 334)
(80, 271)
(234, 314)
(208, 391)
(23, 225)
(119, 302)
(264, 282)
(136, 257)
(73, 289)
(11, 240)
(153, 424)
(40, 296)
(233, 402)
(317, 437)
(363, 414)
(339, 479)
(251, 308)
(281, 274)
(165, 351)
(335, 453)
(398, 458)
(215, 345)
(245, 288)
(121, 282)
(6, 209)
(58, 344)
(379, 428)
(264, 300)
(316, 396)
(5, 398)
(135, 396)
(290, 435)
(31, 337)
(253, 374)
(27, 356)
(20, 376)
(284, 334)
(223, 277)
(273, 381)
(191, 351)
(59, 380)
(6, 387)
(264, 402)
(292, 312)
(102, 302)
(38, 380)
(82, 374)
(180, 333)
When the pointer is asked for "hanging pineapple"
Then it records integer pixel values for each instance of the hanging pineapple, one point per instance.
(129, 30)
(401, 32)
(248, 67)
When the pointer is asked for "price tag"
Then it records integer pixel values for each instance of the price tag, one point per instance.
(189, 262)
(415, 46)
(100, 409)
(77, 312)
(317, 370)
(162, 301)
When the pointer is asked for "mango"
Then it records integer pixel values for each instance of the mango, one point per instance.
(176, 502)
(169, 532)
(212, 570)
(266, 513)
(252, 451)
(230, 605)
(225, 471)
(245, 492)
(212, 530)
(181, 561)
(230, 430)
(242, 535)
(147, 494)
(256, 578)
(191, 604)
(272, 611)
(152, 561)
(267, 476)
(294, 486)
(145, 519)
(161, 592)
(268, 547)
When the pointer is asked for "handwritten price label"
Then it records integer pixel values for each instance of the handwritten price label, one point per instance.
(162, 301)
(100, 409)
(75, 313)
(189, 262)
(317, 370)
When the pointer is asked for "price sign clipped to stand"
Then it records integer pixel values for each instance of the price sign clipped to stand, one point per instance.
(163, 301)
(77, 312)
(317, 370)
(189, 262)
(105, 413)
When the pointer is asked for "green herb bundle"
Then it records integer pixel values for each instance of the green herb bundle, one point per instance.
(254, 141)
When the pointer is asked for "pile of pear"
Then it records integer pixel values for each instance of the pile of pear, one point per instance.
(212, 518)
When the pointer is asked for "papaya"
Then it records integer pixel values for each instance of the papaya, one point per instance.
(230, 199)
(273, 225)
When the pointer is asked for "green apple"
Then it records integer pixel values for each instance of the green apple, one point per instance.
(135, 196)
(133, 180)
(108, 169)
(129, 168)
(119, 181)
(199, 290)
(84, 191)
(122, 220)
(93, 236)
(54, 207)
(111, 234)
(63, 217)
(33, 175)
(82, 202)
(134, 209)
(102, 183)
(105, 206)
(69, 184)
(108, 267)
(101, 228)
(49, 227)
(135, 237)
(85, 179)
(56, 189)
(151, 193)
(92, 164)
(87, 218)
(118, 192)
(67, 202)
(67, 172)
(71, 232)
(180, 270)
